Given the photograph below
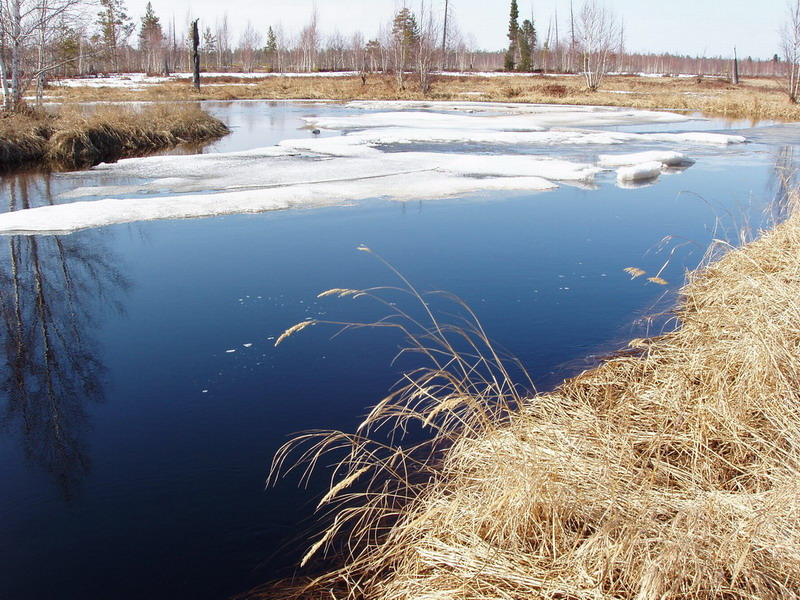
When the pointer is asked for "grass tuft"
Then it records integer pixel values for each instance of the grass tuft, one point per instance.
(73, 139)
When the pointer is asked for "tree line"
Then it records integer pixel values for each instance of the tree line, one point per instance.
(44, 39)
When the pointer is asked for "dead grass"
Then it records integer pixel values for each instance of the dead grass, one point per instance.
(74, 139)
(671, 471)
(23, 139)
(755, 99)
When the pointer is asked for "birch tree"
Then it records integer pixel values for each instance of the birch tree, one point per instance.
(404, 39)
(426, 46)
(790, 45)
(249, 45)
(598, 36)
(28, 26)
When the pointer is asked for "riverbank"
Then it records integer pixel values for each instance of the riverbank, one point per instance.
(669, 471)
(74, 139)
(755, 99)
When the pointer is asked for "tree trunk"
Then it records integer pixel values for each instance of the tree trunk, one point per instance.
(195, 55)
(4, 82)
(16, 54)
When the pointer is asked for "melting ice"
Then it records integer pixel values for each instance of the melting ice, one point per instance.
(393, 150)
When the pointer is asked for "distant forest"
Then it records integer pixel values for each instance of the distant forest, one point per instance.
(46, 39)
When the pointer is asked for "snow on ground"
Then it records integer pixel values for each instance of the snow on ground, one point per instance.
(139, 81)
(382, 154)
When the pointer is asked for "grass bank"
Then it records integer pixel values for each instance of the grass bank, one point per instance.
(74, 139)
(755, 99)
(671, 471)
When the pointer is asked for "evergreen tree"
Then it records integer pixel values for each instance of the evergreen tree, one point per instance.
(527, 46)
(272, 43)
(271, 47)
(115, 27)
(513, 36)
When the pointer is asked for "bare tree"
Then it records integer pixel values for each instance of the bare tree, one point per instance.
(249, 47)
(790, 45)
(222, 33)
(426, 46)
(309, 43)
(29, 25)
(598, 36)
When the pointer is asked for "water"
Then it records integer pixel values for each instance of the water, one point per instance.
(135, 445)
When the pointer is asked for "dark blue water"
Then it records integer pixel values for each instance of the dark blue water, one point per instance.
(135, 446)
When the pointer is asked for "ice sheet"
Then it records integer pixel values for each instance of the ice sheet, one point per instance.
(505, 117)
(380, 155)
(67, 218)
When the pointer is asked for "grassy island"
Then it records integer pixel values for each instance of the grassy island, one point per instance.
(670, 471)
(74, 139)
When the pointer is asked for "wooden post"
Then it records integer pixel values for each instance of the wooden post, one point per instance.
(735, 78)
(196, 55)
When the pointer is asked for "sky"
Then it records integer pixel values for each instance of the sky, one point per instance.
(688, 27)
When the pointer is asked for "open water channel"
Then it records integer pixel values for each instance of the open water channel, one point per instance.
(142, 395)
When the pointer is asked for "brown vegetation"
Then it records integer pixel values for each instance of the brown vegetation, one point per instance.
(671, 471)
(77, 139)
(753, 98)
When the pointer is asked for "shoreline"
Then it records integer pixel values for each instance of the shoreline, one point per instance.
(668, 471)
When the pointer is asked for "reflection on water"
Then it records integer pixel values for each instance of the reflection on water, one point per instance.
(51, 288)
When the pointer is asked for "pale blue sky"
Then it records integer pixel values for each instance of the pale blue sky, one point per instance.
(693, 27)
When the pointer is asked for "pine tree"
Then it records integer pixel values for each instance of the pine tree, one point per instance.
(115, 27)
(513, 37)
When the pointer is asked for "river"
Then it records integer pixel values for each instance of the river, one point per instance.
(143, 397)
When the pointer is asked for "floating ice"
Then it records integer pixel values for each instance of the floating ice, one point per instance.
(66, 218)
(365, 163)
(666, 157)
(647, 170)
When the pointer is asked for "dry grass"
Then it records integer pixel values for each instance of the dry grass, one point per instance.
(753, 98)
(23, 139)
(671, 471)
(75, 139)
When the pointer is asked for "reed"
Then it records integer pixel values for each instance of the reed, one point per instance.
(670, 471)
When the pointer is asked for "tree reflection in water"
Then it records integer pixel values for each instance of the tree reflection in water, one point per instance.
(52, 290)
